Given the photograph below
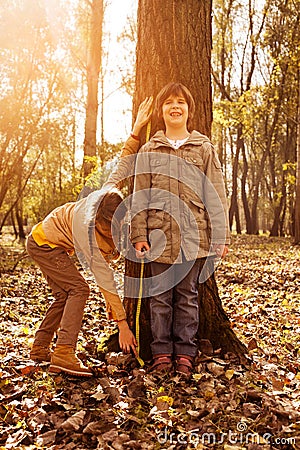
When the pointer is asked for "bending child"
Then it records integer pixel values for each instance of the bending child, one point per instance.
(84, 226)
(179, 212)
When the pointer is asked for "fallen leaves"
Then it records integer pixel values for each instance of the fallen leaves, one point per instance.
(74, 422)
(226, 405)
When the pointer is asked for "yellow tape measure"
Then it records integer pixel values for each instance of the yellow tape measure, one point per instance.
(139, 302)
(148, 129)
(138, 312)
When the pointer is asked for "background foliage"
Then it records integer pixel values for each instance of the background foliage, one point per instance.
(255, 74)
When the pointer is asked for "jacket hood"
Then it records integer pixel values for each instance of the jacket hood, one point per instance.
(84, 223)
(91, 204)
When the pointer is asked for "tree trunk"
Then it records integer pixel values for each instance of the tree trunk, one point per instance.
(234, 207)
(13, 223)
(214, 324)
(277, 221)
(174, 44)
(297, 204)
(20, 222)
(93, 70)
(251, 223)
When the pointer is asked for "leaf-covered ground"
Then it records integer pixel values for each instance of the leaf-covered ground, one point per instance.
(225, 406)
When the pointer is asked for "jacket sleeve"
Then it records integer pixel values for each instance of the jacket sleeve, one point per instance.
(140, 198)
(125, 165)
(114, 306)
(215, 196)
(104, 277)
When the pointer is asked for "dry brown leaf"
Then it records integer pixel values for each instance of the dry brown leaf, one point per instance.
(74, 422)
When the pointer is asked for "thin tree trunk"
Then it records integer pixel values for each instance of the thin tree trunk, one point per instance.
(234, 207)
(297, 203)
(20, 222)
(277, 217)
(93, 70)
(21, 190)
(251, 222)
(13, 223)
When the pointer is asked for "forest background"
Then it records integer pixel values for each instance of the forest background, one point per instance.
(57, 57)
(45, 68)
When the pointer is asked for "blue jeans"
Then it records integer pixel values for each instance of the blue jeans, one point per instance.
(174, 307)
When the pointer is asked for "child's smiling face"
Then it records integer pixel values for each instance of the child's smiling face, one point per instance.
(175, 111)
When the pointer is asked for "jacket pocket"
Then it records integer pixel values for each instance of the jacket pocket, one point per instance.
(158, 164)
(194, 159)
(155, 216)
(200, 214)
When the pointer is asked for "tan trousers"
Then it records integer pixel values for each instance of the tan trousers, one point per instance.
(70, 292)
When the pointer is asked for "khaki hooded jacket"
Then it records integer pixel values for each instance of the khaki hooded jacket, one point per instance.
(179, 202)
(72, 227)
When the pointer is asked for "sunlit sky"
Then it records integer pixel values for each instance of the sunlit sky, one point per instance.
(117, 107)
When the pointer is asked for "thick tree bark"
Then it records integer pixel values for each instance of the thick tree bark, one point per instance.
(297, 203)
(174, 44)
(214, 324)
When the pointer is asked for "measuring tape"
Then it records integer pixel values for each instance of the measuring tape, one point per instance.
(138, 312)
(139, 302)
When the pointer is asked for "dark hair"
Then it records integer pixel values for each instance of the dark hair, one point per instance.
(177, 89)
(109, 204)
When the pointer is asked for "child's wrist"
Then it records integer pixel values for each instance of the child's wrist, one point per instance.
(135, 135)
(122, 323)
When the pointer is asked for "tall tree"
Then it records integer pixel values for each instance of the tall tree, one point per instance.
(255, 62)
(297, 204)
(234, 85)
(283, 28)
(36, 109)
(93, 71)
(174, 44)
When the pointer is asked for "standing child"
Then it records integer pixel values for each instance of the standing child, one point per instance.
(84, 226)
(179, 212)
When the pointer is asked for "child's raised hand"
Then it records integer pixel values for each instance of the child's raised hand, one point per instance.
(143, 115)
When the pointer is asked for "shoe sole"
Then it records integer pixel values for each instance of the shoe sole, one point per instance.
(58, 369)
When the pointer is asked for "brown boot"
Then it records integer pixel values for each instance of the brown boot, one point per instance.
(40, 353)
(64, 359)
